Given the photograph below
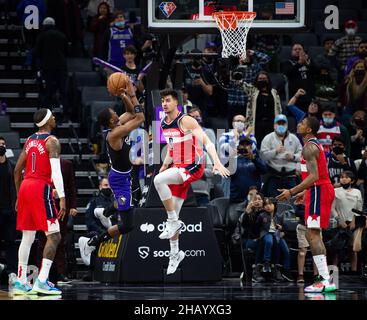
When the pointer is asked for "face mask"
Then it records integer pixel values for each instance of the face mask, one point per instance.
(239, 126)
(120, 24)
(346, 185)
(199, 120)
(359, 123)
(262, 84)
(338, 150)
(2, 151)
(360, 73)
(242, 151)
(350, 32)
(280, 129)
(328, 121)
(107, 192)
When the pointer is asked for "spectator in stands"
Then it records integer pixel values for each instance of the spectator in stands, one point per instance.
(300, 71)
(331, 128)
(203, 186)
(60, 259)
(250, 67)
(312, 111)
(116, 38)
(263, 106)
(326, 88)
(228, 143)
(338, 162)
(357, 128)
(99, 26)
(69, 21)
(129, 53)
(346, 47)
(100, 209)
(187, 104)
(303, 244)
(361, 55)
(324, 60)
(30, 35)
(270, 45)
(271, 224)
(250, 231)
(346, 199)
(51, 50)
(356, 88)
(282, 152)
(362, 178)
(93, 8)
(7, 214)
(248, 173)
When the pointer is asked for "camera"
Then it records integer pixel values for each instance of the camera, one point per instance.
(238, 73)
(196, 63)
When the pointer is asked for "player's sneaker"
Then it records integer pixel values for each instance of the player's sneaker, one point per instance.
(106, 222)
(22, 289)
(171, 228)
(174, 261)
(85, 250)
(46, 287)
(321, 285)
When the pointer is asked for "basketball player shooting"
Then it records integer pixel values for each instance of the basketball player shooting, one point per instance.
(36, 204)
(182, 165)
(119, 177)
(317, 192)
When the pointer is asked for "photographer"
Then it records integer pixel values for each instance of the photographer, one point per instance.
(250, 67)
(250, 167)
(338, 162)
(358, 132)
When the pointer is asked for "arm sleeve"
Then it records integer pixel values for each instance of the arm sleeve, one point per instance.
(57, 176)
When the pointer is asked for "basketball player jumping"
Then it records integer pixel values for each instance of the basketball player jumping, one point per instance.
(317, 192)
(184, 138)
(119, 177)
(36, 205)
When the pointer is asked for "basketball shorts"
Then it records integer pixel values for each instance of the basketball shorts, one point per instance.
(189, 173)
(36, 207)
(318, 203)
(120, 183)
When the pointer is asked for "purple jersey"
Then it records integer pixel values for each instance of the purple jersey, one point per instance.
(119, 39)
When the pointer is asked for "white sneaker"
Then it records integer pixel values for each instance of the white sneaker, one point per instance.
(85, 250)
(106, 222)
(321, 285)
(174, 261)
(171, 228)
(12, 279)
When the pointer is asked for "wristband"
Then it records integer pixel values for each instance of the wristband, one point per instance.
(138, 109)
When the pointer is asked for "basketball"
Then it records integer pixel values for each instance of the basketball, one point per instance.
(116, 82)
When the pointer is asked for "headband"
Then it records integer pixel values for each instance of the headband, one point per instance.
(45, 119)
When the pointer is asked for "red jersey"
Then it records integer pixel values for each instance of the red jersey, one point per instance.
(321, 165)
(38, 164)
(183, 146)
(326, 135)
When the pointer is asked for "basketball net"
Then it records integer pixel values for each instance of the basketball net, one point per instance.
(234, 27)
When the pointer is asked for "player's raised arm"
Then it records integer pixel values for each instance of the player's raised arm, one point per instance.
(188, 123)
(54, 149)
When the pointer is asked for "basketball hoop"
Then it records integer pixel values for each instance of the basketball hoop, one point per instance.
(234, 27)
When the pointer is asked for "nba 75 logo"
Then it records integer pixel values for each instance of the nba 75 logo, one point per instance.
(167, 8)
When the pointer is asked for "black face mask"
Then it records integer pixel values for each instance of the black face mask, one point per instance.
(338, 150)
(346, 185)
(107, 192)
(262, 84)
(359, 74)
(242, 151)
(2, 151)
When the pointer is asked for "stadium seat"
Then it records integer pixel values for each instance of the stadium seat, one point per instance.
(90, 94)
(321, 30)
(307, 39)
(217, 123)
(280, 83)
(89, 79)
(4, 123)
(315, 51)
(285, 53)
(79, 64)
(12, 139)
(221, 204)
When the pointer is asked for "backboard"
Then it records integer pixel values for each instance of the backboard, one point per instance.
(195, 15)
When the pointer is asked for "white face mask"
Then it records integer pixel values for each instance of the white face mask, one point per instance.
(350, 31)
(240, 126)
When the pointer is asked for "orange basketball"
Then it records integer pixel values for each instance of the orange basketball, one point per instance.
(116, 82)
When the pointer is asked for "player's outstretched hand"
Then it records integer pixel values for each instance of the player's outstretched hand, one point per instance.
(285, 194)
(221, 170)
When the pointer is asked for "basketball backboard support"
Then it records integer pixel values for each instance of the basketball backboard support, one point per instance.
(196, 15)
